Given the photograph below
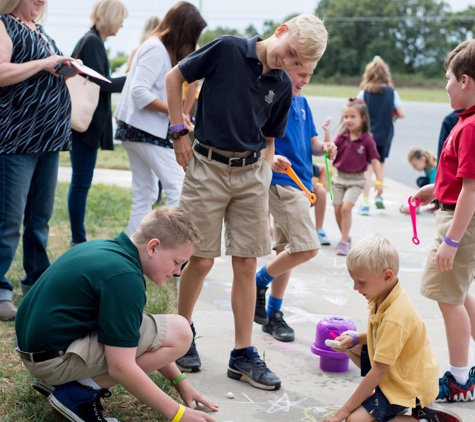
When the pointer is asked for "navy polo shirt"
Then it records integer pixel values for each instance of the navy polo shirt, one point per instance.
(238, 105)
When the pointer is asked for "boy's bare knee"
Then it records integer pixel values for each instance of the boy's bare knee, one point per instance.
(179, 331)
(200, 266)
(308, 255)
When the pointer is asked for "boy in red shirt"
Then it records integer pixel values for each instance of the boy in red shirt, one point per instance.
(451, 262)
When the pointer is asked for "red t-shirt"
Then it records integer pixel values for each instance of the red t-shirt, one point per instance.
(353, 156)
(457, 160)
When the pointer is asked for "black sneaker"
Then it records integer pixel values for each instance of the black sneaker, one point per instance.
(260, 314)
(278, 328)
(79, 403)
(253, 370)
(190, 362)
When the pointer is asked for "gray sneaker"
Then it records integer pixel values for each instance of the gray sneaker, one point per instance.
(191, 361)
(252, 369)
(7, 310)
(278, 328)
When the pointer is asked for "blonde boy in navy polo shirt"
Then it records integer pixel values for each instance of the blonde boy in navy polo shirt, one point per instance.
(243, 105)
(450, 265)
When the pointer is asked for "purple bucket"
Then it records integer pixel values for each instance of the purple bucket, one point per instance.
(330, 360)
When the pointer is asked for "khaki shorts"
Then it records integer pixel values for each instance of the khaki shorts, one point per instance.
(294, 230)
(450, 286)
(347, 187)
(85, 358)
(213, 191)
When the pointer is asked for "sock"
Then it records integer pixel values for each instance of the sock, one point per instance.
(460, 374)
(89, 382)
(274, 304)
(263, 278)
(193, 330)
(365, 201)
(423, 420)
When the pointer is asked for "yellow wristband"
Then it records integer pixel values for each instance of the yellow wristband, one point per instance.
(379, 183)
(320, 184)
(179, 414)
(179, 378)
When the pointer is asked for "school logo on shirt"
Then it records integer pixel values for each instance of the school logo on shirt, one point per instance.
(304, 115)
(269, 97)
(360, 149)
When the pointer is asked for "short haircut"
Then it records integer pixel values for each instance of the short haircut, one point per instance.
(108, 15)
(376, 76)
(171, 226)
(461, 60)
(375, 254)
(311, 33)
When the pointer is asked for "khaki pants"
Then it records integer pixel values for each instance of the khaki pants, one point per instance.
(85, 358)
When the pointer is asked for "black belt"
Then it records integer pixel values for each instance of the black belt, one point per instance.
(229, 161)
(40, 356)
(445, 207)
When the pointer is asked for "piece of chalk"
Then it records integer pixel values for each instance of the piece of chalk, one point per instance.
(230, 395)
(333, 335)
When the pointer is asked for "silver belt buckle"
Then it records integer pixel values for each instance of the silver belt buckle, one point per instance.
(234, 159)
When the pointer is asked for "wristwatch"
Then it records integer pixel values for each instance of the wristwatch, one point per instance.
(177, 131)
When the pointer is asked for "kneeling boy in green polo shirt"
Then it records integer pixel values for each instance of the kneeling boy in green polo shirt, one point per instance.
(81, 328)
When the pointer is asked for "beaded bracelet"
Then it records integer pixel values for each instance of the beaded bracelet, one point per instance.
(355, 338)
(179, 414)
(179, 378)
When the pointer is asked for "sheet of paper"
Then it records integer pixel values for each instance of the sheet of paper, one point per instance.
(88, 71)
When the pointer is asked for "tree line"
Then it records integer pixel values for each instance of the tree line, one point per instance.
(412, 36)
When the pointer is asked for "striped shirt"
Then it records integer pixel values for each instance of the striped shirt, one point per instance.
(35, 114)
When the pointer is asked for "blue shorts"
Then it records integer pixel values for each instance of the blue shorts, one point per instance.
(316, 171)
(377, 405)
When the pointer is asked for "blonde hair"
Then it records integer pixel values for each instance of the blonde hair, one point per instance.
(362, 108)
(171, 226)
(376, 76)
(374, 253)
(418, 153)
(9, 6)
(150, 24)
(461, 60)
(311, 33)
(108, 15)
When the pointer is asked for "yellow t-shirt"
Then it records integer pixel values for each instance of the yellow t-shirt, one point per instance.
(397, 337)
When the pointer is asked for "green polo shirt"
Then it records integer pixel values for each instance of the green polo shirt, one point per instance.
(96, 286)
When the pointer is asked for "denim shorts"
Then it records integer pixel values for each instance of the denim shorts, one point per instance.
(377, 405)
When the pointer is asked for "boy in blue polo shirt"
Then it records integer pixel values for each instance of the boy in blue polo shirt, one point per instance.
(295, 236)
(243, 105)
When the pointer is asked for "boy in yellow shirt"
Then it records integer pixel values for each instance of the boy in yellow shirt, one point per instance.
(395, 355)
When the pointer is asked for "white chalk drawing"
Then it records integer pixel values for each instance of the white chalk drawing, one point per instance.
(309, 412)
(282, 404)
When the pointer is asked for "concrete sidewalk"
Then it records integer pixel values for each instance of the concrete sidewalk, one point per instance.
(317, 289)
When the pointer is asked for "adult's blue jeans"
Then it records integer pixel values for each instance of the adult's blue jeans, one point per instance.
(27, 188)
(83, 161)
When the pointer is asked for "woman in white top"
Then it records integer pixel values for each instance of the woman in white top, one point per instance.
(142, 111)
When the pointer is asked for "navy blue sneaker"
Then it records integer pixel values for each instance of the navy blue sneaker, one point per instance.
(260, 313)
(42, 387)
(190, 362)
(252, 369)
(79, 403)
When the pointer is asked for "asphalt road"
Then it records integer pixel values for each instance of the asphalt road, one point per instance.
(420, 127)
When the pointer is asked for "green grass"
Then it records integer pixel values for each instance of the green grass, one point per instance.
(107, 215)
(116, 159)
(432, 95)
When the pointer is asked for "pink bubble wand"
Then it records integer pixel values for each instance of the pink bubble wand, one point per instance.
(412, 210)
